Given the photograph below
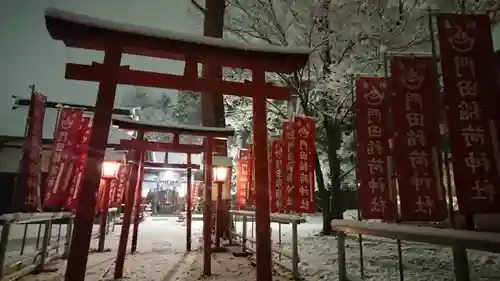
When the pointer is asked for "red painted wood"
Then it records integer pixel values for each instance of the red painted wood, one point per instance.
(145, 145)
(138, 202)
(262, 215)
(78, 256)
(189, 206)
(127, 216)
(207, 210)
(104, 216)
(193, 131)
(171, 81)
(171, 165)
(94, 38)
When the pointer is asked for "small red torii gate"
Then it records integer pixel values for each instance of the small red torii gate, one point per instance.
(140, 146)
(81, 31)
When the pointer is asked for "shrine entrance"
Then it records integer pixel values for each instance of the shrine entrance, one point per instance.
(139, 146)
(81, 31)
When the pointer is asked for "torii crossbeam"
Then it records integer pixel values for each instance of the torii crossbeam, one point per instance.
(80, 31)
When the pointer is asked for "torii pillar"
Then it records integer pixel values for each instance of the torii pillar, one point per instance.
(81, 31)
(140, 146)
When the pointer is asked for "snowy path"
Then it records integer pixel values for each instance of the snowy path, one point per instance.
(161, 249)
(225, 267)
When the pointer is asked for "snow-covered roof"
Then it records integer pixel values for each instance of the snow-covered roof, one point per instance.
(159, 33)
(127, 123)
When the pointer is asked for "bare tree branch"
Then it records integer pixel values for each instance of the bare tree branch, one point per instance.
(198, 6)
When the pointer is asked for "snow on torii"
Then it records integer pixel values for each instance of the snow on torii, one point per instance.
(81, 31)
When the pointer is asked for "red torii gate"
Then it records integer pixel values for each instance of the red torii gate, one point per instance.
(81, 31)
(140, 146)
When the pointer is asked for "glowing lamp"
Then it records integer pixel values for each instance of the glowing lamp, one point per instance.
(219, 174)
(110, 169)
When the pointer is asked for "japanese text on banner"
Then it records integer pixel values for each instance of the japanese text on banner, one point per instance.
(276, 175)
(123, 183)
(470, 97)
(65, 139)
(288, 185)
(416, 138)
(27, 191)
(80, 149)
(376, 194)
(304, 161)
(244, 178)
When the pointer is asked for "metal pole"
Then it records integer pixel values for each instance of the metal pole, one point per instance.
(207, 209)
(24, 239)
(295, 252)
(127, 214)
(218, 214)
(262, 212)
(360, 237)
(78, 256)
(4, 242)
(341, 256)
(138, 201)
(188, 207)
(45, 244)
(398, 242)
(279, 239)
(244, 235)
(460, 260)
(67, 243)
(104, 216)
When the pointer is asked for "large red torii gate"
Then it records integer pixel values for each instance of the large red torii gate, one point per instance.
(81, 31)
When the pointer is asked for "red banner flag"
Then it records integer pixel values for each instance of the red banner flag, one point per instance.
(304, 162)
(288, 185)
(61, 162)
(113, 187)
(244, 178)
(276, 175)
(376, 194)
(123, 183)
(470, 97)
(27, 192)
(103, 184)
(80, 151)
(416, 138)
(194, 193)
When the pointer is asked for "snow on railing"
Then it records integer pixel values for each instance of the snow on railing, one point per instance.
(293, 256)
(38, 244)
(459, 240)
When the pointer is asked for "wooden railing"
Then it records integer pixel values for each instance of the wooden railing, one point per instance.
(248, 243)
(27, 241)
(458, 240)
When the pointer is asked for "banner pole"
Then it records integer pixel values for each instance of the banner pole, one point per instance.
(443, 133)
(393, 178)
(353, 161)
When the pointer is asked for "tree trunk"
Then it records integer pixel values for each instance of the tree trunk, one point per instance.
(213, 103)
(334, 137)
(213, 26)
(325, 199)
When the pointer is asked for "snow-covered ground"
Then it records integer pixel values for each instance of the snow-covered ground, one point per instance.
(161, 249)
(421, 261)
(161, 252)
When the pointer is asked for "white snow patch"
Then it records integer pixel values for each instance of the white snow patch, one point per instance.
(187, 128)
(318, 255)
(158, 33)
